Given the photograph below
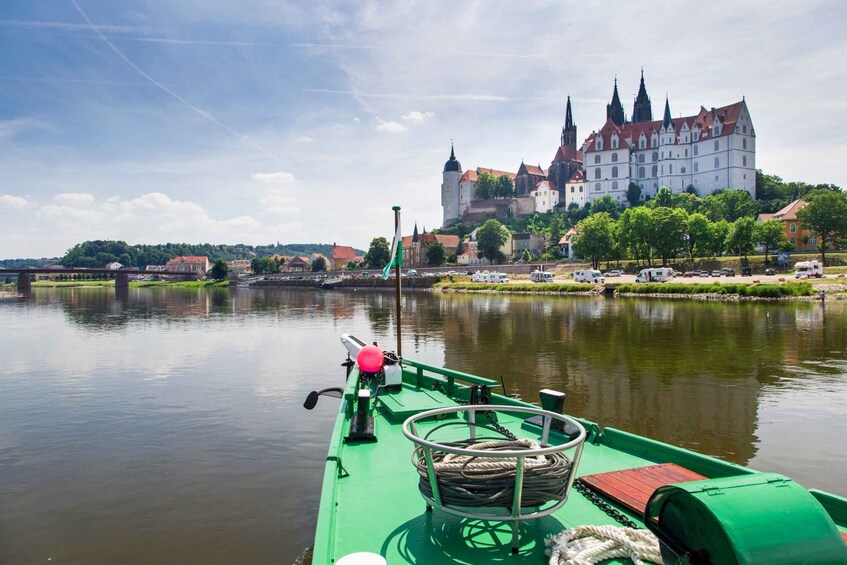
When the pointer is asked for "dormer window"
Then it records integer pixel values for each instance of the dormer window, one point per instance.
(598, 145)
(654, 141)
(614, 142)
(642, 142)
(716, 129)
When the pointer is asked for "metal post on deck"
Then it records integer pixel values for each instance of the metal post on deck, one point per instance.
(397, 280)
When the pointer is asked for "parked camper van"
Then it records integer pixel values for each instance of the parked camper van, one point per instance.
(588, 275)
(498, 277)
(541, 276)
(480, 277)
(656, 274)
(808, 269)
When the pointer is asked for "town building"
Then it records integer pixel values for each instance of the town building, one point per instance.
(341, 255)
(240, 266)
(574, 192)
(193, 263)
(297, 264)
(546, 196)
(801, 239)
(113, 266)
(416, 247)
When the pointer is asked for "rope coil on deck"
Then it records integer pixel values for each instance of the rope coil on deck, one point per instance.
(586, 545)
(490, 481)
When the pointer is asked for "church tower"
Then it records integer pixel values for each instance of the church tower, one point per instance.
(614, 110)
(569, 131)
(642, 111)
(450, 188)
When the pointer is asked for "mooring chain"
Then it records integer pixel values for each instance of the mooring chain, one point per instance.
(598, 501)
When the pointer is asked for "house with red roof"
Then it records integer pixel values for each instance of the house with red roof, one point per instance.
(801, 239)
(194, 263)
(340, 255)
(416, 246)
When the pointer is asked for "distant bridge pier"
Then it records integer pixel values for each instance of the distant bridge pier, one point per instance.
(24, 283)
(121, 280)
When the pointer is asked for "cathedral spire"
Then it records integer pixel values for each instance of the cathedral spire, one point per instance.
(667, 121)
(614, 110)
(642, 111)
(415, 236)
(569, 131)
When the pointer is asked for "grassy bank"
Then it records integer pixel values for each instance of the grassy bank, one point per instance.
(759, 290)
(190, 284)
(71, 284)
(518, 287)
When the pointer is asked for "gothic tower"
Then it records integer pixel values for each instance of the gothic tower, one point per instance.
(450, 188)
(569, 131)
(614, 111)
(642, 111)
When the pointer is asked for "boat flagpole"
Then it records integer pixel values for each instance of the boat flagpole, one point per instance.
(396, 262)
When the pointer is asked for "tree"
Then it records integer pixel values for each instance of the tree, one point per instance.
(668, 231)
(636, 232)
(698, 235)
(352, 265)
(503, 187)
(594, 239)
(718, 232)
(729, 205)
(633, 194)
(219, 270)
(826, 216)
(460, 247)
(489, 239)
(608, 204)
(769, 234)
(740, 238)
(486, 186)
(435, 255)
(319, 265)
(664, 198)
(526, 256)
(378, 253)
(557, 228)
(264, 265)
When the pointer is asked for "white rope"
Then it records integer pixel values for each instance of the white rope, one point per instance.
(586, 545)
(455, 462)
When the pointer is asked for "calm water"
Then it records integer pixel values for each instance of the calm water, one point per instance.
(167, 426)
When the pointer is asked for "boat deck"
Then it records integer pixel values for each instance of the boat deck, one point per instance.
(375, 505)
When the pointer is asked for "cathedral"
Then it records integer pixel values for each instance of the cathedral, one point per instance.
(710, 150)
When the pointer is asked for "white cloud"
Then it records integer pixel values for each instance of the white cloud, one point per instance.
(14, 202)
(277, 177)
(416, 117)
(304, 139)
(74, 198)
(390, 127)
(275, 202)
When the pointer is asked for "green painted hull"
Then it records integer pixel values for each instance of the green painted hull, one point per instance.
(370, 500)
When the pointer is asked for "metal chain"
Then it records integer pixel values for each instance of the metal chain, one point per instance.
(498, 427)
(598, 501)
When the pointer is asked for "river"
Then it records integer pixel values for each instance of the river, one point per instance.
(166, 426)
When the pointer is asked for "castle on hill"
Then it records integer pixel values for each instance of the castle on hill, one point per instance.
(707, 151)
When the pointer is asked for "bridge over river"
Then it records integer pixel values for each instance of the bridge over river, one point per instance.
(26, 276)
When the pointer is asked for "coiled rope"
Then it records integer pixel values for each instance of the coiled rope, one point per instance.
(586, 545)
(490, 481)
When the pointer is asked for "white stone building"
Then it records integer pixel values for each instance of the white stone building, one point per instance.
(575, 190)
(714, 149)
(546, 196)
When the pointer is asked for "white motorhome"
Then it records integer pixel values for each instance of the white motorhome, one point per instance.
(480, 277)
(808, 269)
(498, 277)
(655, 274)
(541, 276)
(588, 275)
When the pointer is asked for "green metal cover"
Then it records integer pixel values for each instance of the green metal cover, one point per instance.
(750, 519)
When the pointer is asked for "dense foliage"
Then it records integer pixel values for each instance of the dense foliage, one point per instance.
(825, 216)
(378, 254)
(220, 270)
(96, 254)
(435, 256)
(761, 290)
(519, 287)
(489, 239)
(489, 186)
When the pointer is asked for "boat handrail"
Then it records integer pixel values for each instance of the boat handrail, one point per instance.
(450, 375)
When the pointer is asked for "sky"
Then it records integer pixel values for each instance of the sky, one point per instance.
(264, 121)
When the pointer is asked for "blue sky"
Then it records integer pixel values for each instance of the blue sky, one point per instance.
(260, 121)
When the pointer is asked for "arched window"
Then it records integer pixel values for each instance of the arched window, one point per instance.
(599, 144)
(654, 141)
(641, 158)
(696, 134)
(717, 145)
(744, 143)
(717, 162)
(695, 166)
(682, 170)
(641, 172)
(614, 142)
(744, 160)
(614, 157)
(655, 156)
(655, 171)
(614, 185)
(696, 150)
(580, 188)
(642, 142)
(614, 172)
(597, 174)
(597, 159)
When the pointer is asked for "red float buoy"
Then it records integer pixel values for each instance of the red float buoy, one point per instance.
(370, 359)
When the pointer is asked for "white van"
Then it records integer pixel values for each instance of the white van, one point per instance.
(480, 277)
(656, 274)
(498, 278)
(541, 276)
(808, 269)
(589, 276)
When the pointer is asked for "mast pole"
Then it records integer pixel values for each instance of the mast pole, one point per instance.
(397, 281)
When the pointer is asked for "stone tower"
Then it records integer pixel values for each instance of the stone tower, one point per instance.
(642, 110)
(450, 188)
(614, 110)
(569, 131)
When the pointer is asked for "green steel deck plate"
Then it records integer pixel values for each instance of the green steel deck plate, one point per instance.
(410, 400)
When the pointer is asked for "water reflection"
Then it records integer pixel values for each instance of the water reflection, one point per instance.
(165, 424)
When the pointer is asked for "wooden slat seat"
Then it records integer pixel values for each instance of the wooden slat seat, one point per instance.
(632, 488)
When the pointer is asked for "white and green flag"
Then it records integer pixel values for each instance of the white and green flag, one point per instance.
(396, 252)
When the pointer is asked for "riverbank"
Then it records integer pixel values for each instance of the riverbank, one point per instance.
(110, 284)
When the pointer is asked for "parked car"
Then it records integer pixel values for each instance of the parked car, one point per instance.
(704, 273)
(689, 274)
(717, 273)
(411, 273)
(728, 272)
(770, 271)
(613, 273)
(746, 272)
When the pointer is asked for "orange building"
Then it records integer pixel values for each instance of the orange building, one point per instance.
(801, 239)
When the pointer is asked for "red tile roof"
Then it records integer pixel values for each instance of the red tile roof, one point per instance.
(568, 154)
(545, 185)
(188, 259)
(789, 213)
(533, 170)
(495, 172)
(469, 175)
(342, 252)
(577, 176)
